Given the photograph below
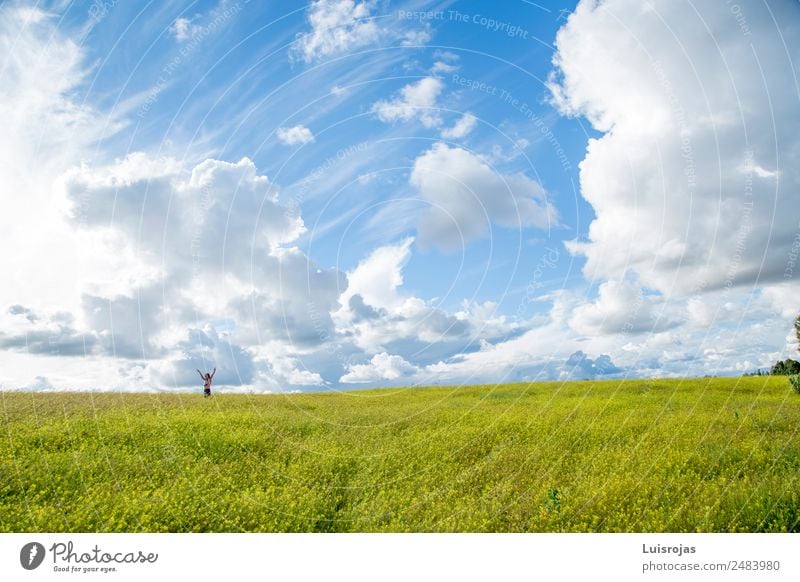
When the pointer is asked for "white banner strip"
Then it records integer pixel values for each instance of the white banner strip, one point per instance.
(380, 557)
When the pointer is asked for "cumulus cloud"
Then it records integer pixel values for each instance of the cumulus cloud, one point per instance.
(299, 134)
(205, 349)
(51, 334)
(692, 182)
(40, 384)
(26, 312)
(580, 366)
(223, 218)
(125, 325)
(621, 307)
(782, 299)
(414, 101)
(382, 367)
(290, 371)
(420, 101)
(337, 26)
(467, 197)
(377, 315)
(164, 266)
(293, 304)
(377, 277)
(126, 258)
(360, 310)
(462, 127)
(170, 266)
(221, 242)
(45, 131)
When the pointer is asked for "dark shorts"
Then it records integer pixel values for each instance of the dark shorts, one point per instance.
(207, 391)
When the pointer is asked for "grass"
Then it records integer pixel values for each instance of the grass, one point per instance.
(718, 455)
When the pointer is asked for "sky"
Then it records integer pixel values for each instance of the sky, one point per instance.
(345, 194)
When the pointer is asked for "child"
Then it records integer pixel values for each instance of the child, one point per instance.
(207, 381)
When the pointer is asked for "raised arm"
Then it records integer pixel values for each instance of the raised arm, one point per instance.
(214, 371)
(201, 374)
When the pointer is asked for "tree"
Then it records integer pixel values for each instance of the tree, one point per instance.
(794, 379)
(787, 367)
(797, 331)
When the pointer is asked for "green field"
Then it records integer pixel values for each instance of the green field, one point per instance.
(719, 454)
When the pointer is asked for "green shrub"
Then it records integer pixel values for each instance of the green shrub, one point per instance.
(795, 382)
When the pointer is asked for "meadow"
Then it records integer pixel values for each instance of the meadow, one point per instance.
(710, 455)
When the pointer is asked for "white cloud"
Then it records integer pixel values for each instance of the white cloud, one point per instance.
(580, 366)
(288, 371)
(130, 272)
(462, 127)
(40, 384)
(446, 56)
(416, 37)
(443, 67)
(693, 182)
(414, 101)
(378, 315)
(381, 367)
(514, 151)
(750, 332)
(337, 26)
(782, 299)
(43, 333)
(299, 134)
(377, 278)
(290, 304)
(183, 29)
(539, 353)
(193, 224)
(221, 239)
(45, 131)
(621, 307)
(126, 325)
(485, 320)
(467, 197)
(224, 278)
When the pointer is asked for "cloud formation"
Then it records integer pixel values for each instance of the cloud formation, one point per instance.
(380, 368)
(580, 366)
(377, 315)
(414, 101)
(621, 308)
(693, 182)
(183, 29)
(130, 273)
(462, 127)
(299, 134)
(467, 197)
(53, 334)
(227, 280)
(337, 26)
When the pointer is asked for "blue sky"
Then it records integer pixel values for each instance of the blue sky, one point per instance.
(347, 193)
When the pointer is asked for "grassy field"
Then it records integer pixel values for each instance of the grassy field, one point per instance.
(714, 455)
